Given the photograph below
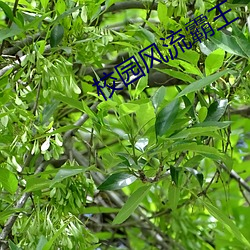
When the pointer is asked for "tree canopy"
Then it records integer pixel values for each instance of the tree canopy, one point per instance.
(124, 124)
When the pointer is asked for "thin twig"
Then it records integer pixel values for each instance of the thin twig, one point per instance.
(148, 14)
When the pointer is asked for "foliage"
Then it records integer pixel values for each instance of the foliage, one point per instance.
(162, 164)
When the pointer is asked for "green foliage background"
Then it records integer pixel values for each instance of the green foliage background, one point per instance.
(163, 164)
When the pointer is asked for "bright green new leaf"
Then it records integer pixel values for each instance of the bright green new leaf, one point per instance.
(202, 113)
(162, 12)
(8, 180)
(173, 196)
(117, 181)
(132, 203)
(214, 61)
(166, 117)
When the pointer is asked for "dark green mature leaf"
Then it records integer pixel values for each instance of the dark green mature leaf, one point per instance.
(8, 180)
(166, 117)
(56, 35)
(117, 181)
(240, 2)
(198, 175)
(216, 110)
(174, 172)
(227, 43)
(198, 85)
(7, 10)
(132, 203)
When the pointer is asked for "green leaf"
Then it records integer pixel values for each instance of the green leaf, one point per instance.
(158, 97)
(13, 246)
(35, 184)
(128, 108)
(44, 3)
(219, 125)
(56, 35)
(162, 12)
(197, 85)
(70, 101)
(141, 85)
(216, 110)
(227, 43)
(66, 172)
(8, 180)
(132, 203)
(198, 175)
(177, 74)
(190, 56)
(41, 243)
(49, 244)
(193, 132)
(117, 181)
(173, 196)
(174, 172)
(9, 211)
(6, 33)
(166, 117)
(214, 61)
(202, 114)
(227, 223)
(7, 10)
(98, 210)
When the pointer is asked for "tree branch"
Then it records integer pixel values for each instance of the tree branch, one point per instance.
(20, 203)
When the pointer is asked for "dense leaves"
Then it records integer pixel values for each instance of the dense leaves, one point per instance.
(163, 163)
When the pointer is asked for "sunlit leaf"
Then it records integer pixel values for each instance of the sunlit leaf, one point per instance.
(131, 204)
(8, 180)
(173, 196)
